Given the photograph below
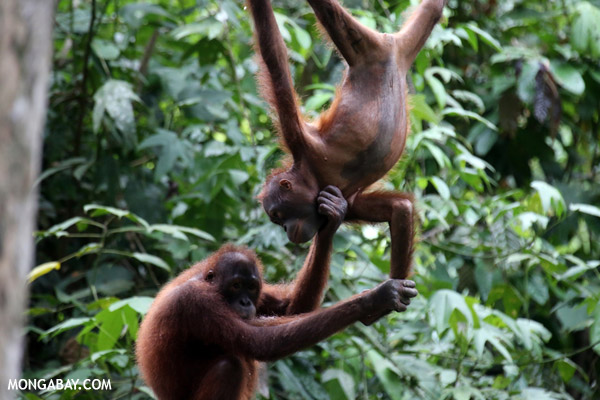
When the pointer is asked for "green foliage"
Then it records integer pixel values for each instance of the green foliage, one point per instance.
(157, 143)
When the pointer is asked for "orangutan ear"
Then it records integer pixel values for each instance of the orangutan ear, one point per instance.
(284, 183)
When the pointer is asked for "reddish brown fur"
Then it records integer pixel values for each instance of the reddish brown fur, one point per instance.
(192, 345)
(286, 163)
(176, 347)
(323, 123)
(169, 360)
(359, 138)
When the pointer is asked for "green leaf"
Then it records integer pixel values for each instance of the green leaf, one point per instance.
(281, 20)
(510, 53)
(238, 176)
(473, 178)
(485, 37)
(441, 187)
(209, 27)
(98, 210)
(572, 318)
(387, 374)
(550, 197)
(42, 270)
(585, 32)
(512, 301)
(135, 14)
(528, 219)
(110, 325)
(420, 108)
(61, 166)
(66, 325)
(595, 75)
(102, 354)
(150, 259)
(302, 36)
(526, 82)
(32, 396)
(114, 98)
(60, 229)
(170, 148)
(140, 304)
(595, 329)
(105, 49)
(585, 209)
(317, 100)
(290, 381)
(180, 231)
(576, 271)
(442, 304)
(470, 97)
(485, 141)
(448, 377)
(537, 288)
(468, 114)
(459, 325)
(531, 393)
(492, 336)
(340, 383)
(466, 393)
(566, 369)
(110, 279)
(446, 74)
(470, 36)
(438, 89)
(440, 157)
(568, 77)
(90, 248)
(131, 320)
(103, 210)
(473, 161)
(533, 327)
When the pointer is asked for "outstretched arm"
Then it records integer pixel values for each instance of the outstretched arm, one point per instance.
(273, 338)
(305, 293)
(416, 30)
(274, 78)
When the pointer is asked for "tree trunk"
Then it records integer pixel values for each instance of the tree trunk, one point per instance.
(25, 50)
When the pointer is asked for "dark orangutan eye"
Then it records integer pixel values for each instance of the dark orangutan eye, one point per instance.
(210, 275)
(252, 287)
(236, 286)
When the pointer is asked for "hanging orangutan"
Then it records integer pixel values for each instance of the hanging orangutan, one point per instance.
(358, 139)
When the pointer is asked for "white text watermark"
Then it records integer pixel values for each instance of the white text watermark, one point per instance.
(59, 384)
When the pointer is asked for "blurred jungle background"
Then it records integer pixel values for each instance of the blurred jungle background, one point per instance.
(156, 145)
